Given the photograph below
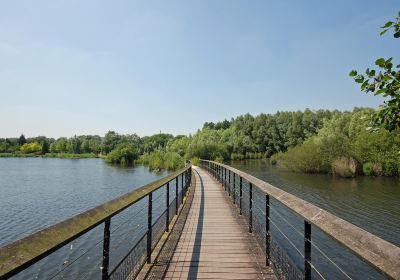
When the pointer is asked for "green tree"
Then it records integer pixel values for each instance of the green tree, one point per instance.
(110, 141)
(29, 148)
(384, 81)
(45, 147)
(123, 154)
(21, 140)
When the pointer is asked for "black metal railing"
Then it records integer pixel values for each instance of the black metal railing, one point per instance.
(283, 225)
(133, 224)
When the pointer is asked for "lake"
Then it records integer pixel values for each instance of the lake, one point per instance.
(372, 203)
(39, 192)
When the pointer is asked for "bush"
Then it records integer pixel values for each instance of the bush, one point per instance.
(69, 156)
(158, 160)
(345, 167)
(29, 148)
(368, 169)
(195, 161)
(273, 161)
(219, 159)
(377, 168)
(124, 154)
(307, 157)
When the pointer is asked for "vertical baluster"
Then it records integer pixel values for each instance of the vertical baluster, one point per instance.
(190, 176)
(176, 196)
(225, 178)
(234, 188)
(149, 226)
(307, 250)
(106, 250)
(229, 183)
(167, 201)
(251, 208)
(240, 194)
(182, 189)
(267, 233)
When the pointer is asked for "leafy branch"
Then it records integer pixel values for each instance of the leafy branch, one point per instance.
(384, 81)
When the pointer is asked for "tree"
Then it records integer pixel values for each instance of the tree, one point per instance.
(123, 154)
(21, 140)
(110, 141)
(29, 148)
(386, 82)
(45, 147)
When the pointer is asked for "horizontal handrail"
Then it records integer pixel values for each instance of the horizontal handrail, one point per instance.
(378, 252)
(24, 252)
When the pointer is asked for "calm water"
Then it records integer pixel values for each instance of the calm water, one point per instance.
(370, 203)
(36, 193)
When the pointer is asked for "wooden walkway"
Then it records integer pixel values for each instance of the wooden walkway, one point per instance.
(215, 243)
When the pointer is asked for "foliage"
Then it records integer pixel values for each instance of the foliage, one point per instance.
(70, 156)
(162, 160)
(29, 148)
(195, 161)
(368, 169)
(124, 154)
(384, 81)
(345, 167)
(21, 140)
(342, 137)
(155, 142)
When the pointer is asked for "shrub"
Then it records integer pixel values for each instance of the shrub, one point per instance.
(195, 161)
(219, 159)
(29, 148)
(124, 154)
(377, 168)
(368, 169)
(344, 167)
(158, 160)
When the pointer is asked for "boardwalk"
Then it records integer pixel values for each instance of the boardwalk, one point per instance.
(215, 243)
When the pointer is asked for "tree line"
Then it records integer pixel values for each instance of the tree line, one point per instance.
(321, 141)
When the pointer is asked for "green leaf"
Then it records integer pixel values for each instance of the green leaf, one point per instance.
(380, 62)
(397, 34)
(381, 91)
(387, 24)
(359, 79)
(364, 85)
(383, 32)
(353, 73)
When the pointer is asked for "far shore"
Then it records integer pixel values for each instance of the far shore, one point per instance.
(50, 155)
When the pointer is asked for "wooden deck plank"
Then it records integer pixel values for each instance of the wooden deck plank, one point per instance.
(215, 243)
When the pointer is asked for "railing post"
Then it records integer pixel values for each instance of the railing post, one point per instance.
(240, 194)
(190, 176)
(307, 250)
(167, 200)
(251, 208)
(176, 196)
(229, 183)
(106, 250)
(267, 233)
(182, 189)
(225, 178)
(234, 188)
(149, 227)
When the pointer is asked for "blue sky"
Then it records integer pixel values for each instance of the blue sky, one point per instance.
(86, 67)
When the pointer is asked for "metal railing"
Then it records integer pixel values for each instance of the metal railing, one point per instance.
(151, 207)
(283, 229)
